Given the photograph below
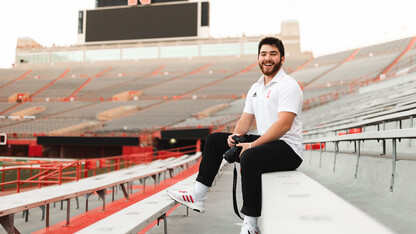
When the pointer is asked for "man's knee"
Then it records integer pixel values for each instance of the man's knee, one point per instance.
(248, 158)
(215, 137)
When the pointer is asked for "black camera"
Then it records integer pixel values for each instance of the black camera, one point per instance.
(232, 154)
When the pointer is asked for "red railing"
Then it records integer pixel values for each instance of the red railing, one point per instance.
(40, 173)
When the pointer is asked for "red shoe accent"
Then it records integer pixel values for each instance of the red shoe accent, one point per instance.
(183, 196)
(191, 198)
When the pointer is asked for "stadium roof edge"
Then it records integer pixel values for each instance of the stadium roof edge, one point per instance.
(145, 43)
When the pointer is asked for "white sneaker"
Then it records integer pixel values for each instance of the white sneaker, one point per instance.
(187, 198)
(247, 229)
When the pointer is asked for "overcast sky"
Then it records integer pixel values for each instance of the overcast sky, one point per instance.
(326, 26)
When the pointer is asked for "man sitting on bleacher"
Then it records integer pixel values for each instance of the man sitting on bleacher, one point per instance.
(275, 103)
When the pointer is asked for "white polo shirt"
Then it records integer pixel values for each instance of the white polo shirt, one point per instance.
(283, 93)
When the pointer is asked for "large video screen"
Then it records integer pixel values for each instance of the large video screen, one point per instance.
(142, 22)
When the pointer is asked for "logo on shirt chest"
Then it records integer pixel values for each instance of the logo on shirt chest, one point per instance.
(268, 93)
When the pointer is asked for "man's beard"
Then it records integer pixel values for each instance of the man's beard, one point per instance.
(274, 69)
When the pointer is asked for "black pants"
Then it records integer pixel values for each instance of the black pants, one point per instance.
(269, 157)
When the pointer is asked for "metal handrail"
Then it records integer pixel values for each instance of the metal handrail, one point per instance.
(59, 172)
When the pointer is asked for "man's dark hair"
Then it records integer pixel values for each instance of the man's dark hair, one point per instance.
(274, 42)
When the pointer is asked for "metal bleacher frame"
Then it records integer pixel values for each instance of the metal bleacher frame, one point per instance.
(386, 103)
(394, 135)
(139, 215)
(11, 204)
(320, 135)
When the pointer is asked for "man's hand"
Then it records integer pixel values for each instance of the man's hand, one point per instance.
(230, 140)
(244, 147)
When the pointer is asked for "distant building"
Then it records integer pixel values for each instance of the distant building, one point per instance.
(290, 35)
(27, 42)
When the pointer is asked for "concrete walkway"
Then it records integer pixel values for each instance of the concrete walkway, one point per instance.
(218, 217)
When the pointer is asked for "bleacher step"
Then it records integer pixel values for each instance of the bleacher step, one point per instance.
(294, 203)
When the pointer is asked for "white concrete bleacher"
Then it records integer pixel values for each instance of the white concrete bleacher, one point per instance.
(27, 85)
(385, 98)
(182, 163)
(320, 66)
(139, 215)
(40, 125)
(293, 64)
(162, 115)
(216, 120)
(392, 47)
(183, 84)
(375, 111)
(368, 63)
(383, 119)
(124, 73)
(368, 67)
(308, 75)
(11, 204)
(228, 88)
(294, 203)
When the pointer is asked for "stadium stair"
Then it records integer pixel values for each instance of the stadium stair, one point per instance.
(51, 83)
(86, 82)
(12, 81)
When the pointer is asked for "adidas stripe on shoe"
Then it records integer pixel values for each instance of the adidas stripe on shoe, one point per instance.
(187, 198)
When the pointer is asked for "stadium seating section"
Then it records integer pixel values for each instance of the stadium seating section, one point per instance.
(171, 93)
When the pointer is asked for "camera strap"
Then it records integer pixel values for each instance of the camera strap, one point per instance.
(234, 192)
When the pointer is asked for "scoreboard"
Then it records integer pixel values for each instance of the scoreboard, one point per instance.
(144, 22)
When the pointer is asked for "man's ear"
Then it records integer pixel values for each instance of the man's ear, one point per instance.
(282, 59)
